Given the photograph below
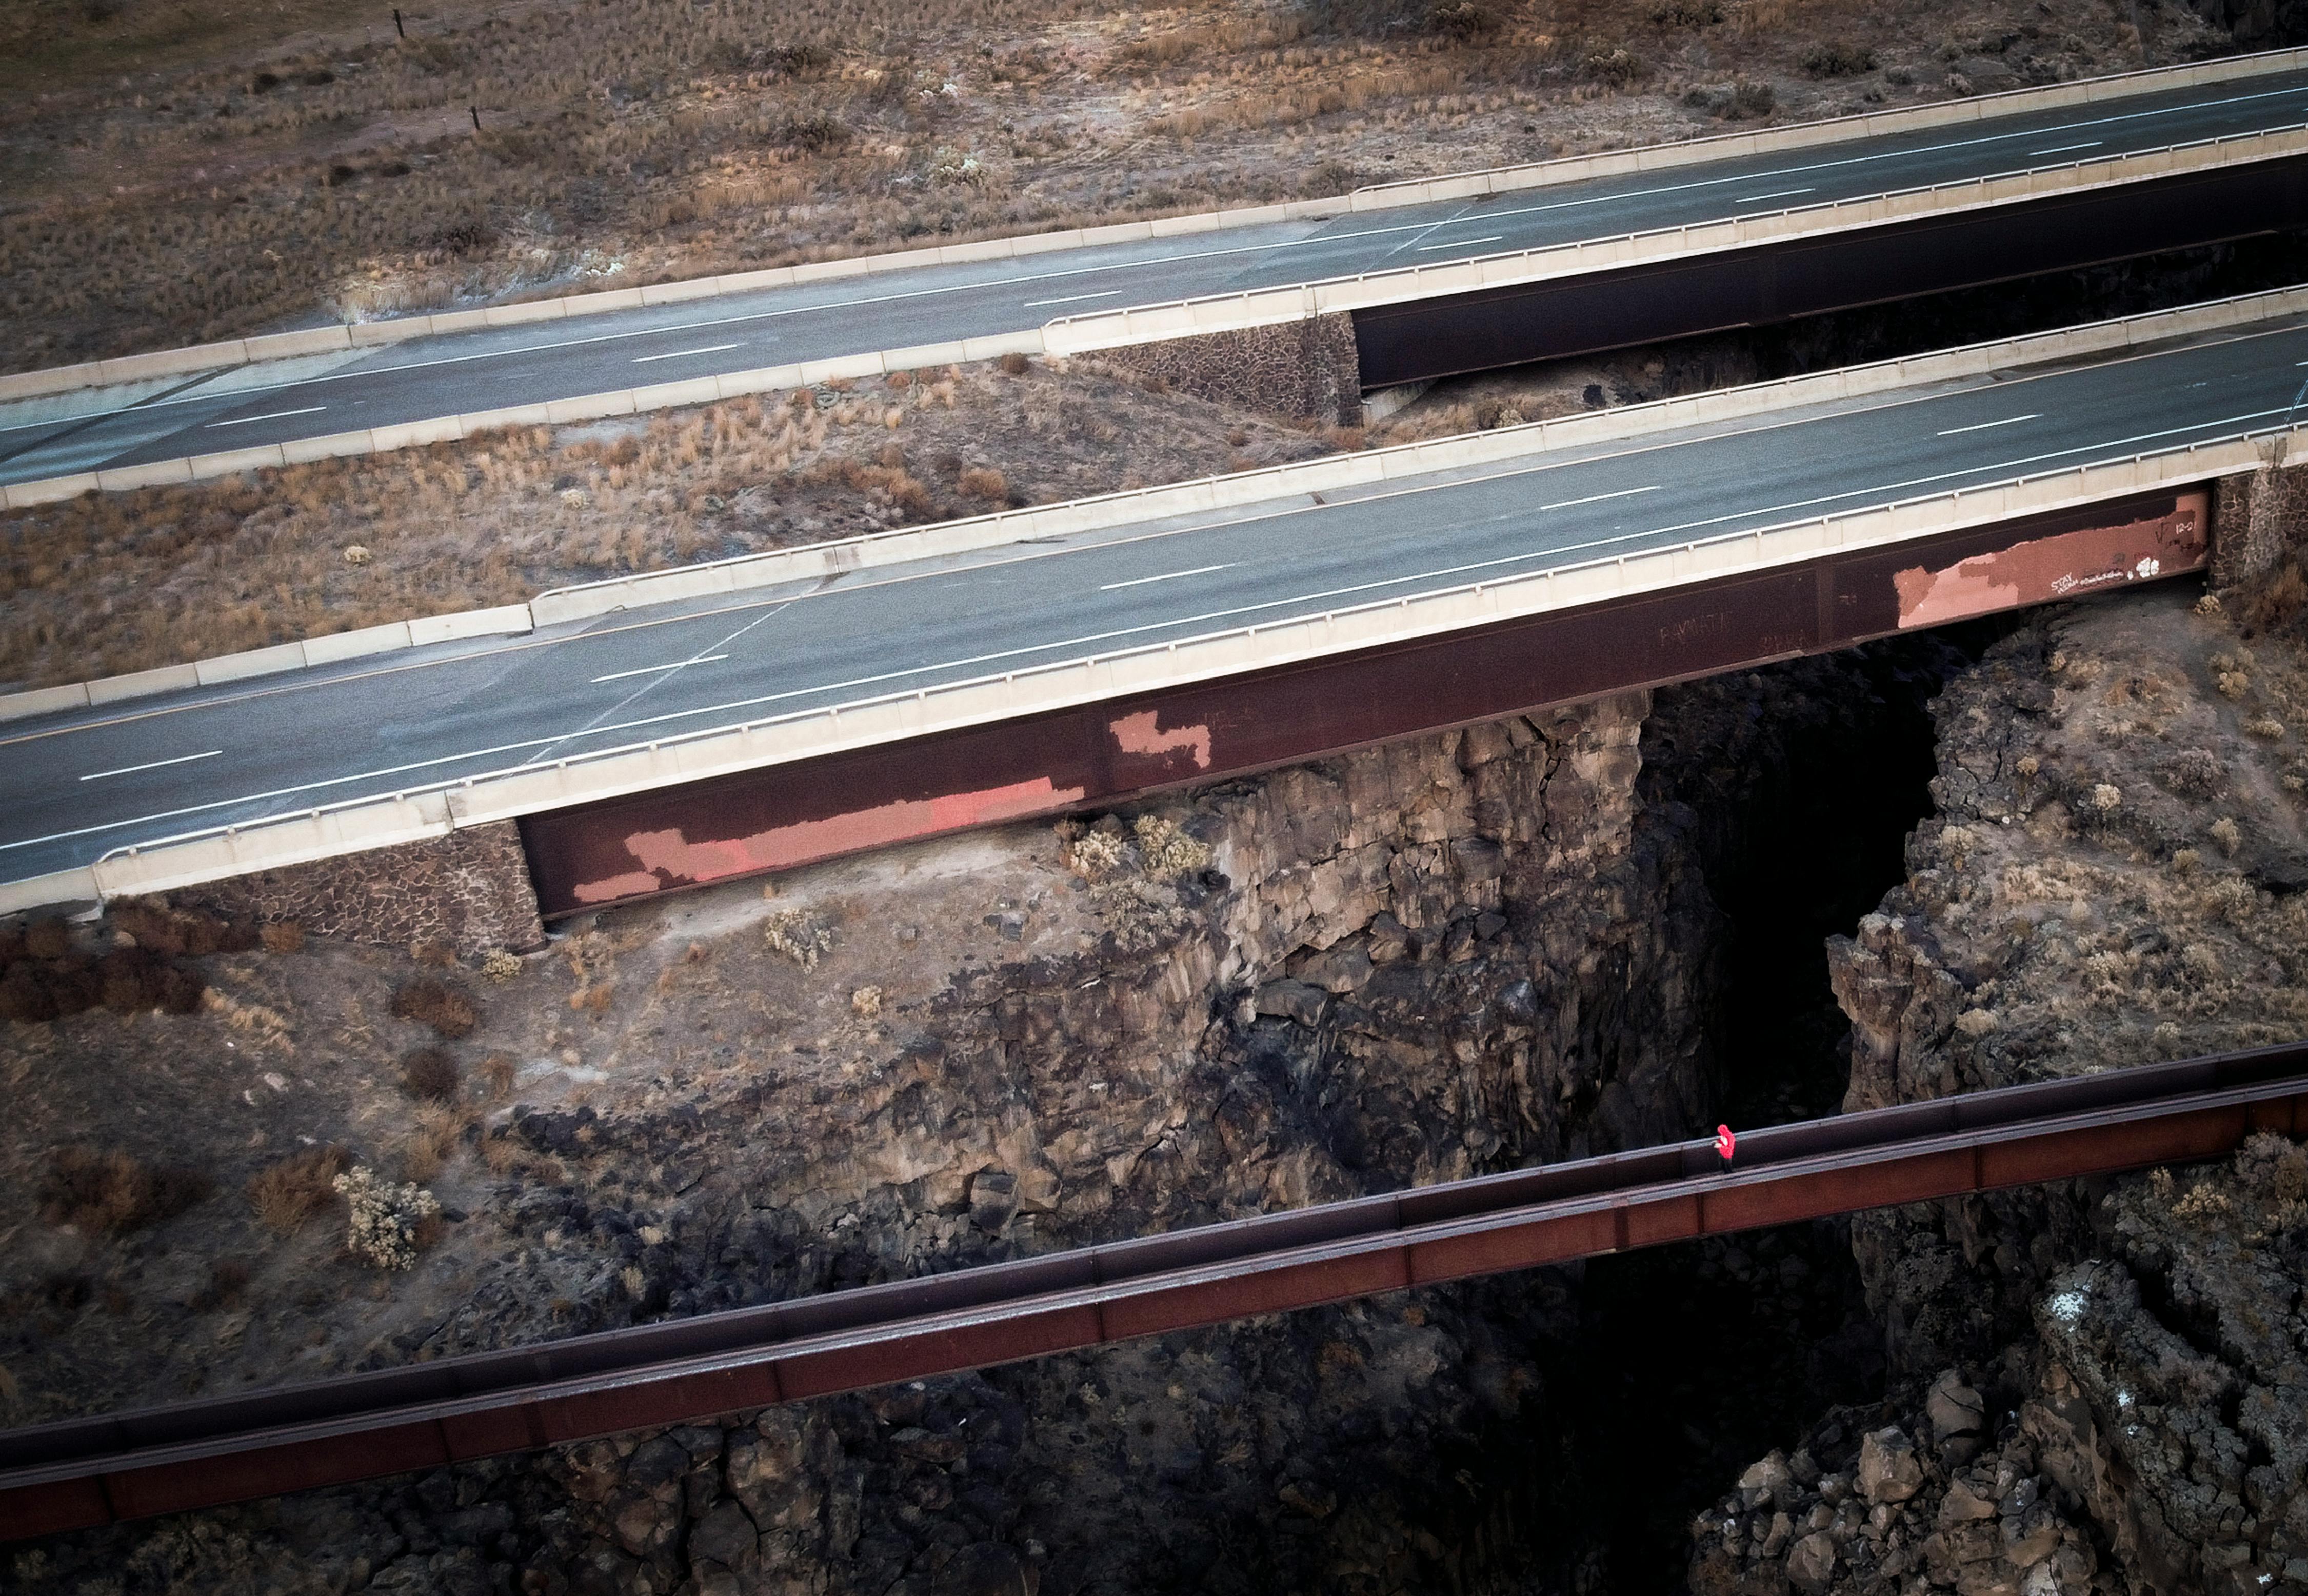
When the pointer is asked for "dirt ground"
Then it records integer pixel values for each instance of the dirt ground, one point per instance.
(293, 1051)
(113, 582)
(180, 172)
(1137, 112)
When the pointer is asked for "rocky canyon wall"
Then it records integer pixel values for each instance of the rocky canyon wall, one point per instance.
(2099, 1384)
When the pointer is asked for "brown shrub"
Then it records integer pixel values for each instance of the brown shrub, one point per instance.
(430, 1075)
(982, 482)
(24, 996)
(498, 1073)
(448, 1008)
(2277, 598)
(152, 925)
(284, 936)
(177, 931)
(227, 1284)
(440, 956)
(430, 1143)
(286, 1194)
(73, 985)
(1013, 364)
(115, 1192)
(180, 991)
(131, 978)
(48, 939)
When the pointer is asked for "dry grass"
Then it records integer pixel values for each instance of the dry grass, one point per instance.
(430, 1075)
(112, 1192)
(288, 1194)
(431, 1143)
(498, 1073)
(446, 1006)
(336, 174)
(111, 584)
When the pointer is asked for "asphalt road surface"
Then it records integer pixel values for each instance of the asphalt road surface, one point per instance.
(463, 372)
(73, 785)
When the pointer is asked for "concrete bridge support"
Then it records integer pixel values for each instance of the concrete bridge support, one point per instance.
(2258, 522)
(468, 891)
(1305, 369)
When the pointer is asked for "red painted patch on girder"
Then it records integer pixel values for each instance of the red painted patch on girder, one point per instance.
(2066, 565)
(1137, 734)
(668, 858)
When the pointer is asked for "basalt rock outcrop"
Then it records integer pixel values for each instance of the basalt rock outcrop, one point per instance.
(2113, 877)
(1455, 954)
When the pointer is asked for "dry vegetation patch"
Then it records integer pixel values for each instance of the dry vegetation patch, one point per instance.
(111, 584)
(110, 1191)
(191, 180)
(286, 1194)
(446, 1006)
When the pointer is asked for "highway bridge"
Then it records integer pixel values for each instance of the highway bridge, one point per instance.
(738, 730)
(1435, 277)
(81, 1472)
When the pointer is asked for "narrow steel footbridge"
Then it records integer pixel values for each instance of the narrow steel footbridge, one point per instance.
(82, 1473)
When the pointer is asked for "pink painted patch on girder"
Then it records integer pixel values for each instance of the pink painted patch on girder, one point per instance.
(1137, 734)
(2066, 565)
(669, 858)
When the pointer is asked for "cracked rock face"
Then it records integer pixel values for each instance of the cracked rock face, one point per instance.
(1420, 961)
(1450, 955)
(2102, 1383)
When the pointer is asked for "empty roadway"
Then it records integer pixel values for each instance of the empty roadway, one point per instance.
(73, 785)
(464, 373)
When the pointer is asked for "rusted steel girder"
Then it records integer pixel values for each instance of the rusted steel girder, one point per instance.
(85, 1472)
(781, 816)
(1419, 340)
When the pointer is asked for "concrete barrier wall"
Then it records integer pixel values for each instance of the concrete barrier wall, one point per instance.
(588, 407)
(174, 863)
(1235, 313)
(241, 352)
(1805, 135)
(62, 888)
(504, 620)
(818, 561)
(1110, 329)
(361, 335)
(1504, 445)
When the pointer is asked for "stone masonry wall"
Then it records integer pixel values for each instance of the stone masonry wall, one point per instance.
(470, 890)
(2257, 521)
(1306, 368)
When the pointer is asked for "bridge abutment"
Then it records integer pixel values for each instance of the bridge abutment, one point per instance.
(468, 891)
(2257, 521)
(1306, 369)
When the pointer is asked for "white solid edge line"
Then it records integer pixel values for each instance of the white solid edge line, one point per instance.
(1320, 238)
(1118, 632)
(1783, 193)
(130, 769)
(618, 676)
(2064, 148)
(1597, 498)
(310, 410)
(1461, 243)
(1068, 299)
(710, 349)
(1984, 426)
(1140, 582)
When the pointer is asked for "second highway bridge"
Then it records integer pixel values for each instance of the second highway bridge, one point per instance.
(73, 785)
(54, 438)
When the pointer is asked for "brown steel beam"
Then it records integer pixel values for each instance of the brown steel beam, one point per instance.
(82, 1473)
(785, 816)
(1420, 340)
